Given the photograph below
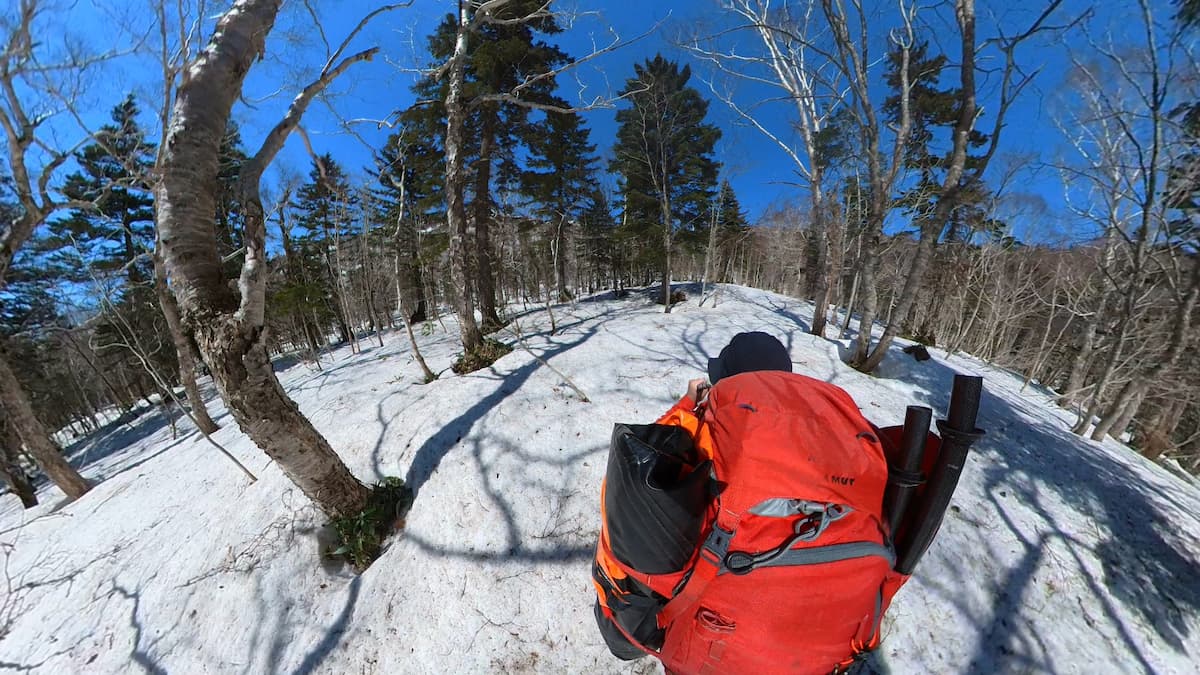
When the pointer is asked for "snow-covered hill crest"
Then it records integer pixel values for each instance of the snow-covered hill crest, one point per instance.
(1058, 555)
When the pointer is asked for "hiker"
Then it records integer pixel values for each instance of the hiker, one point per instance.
(762, 525)
(745, 353)
(743, 532)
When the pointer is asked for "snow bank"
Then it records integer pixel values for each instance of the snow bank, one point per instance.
(1059, 554)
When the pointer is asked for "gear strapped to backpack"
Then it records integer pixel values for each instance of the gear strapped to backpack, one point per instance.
(748, 535)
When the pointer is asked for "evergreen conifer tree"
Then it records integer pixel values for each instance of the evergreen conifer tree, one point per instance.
(559, 180)
(108, 249)
(114, 170)
(501, 54)
(663, 156)
(326, 211)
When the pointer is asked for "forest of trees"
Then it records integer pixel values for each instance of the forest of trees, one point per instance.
(152, 251)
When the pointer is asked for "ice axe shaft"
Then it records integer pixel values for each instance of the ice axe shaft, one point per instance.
(958, 432)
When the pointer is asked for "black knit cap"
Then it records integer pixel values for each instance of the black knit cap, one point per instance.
(748, 352)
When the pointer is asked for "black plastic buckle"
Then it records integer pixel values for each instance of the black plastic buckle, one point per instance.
(717, 543)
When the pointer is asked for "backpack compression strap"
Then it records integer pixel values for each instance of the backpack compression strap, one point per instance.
(712, 557)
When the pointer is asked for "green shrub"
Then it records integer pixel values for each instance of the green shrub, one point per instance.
(481, 357)
(361, 535)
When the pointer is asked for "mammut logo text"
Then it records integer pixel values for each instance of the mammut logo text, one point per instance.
(842, 480)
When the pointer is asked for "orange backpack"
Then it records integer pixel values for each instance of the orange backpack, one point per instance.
(747, 537)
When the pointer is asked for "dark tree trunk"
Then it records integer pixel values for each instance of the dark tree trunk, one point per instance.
(485, 278)
(664, 203)
(12, 472)
(19, 413)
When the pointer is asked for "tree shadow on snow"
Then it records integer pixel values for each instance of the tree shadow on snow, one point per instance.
(118, 436)
(1147, 569)
(782, 309)
(429, 456)
(559, 542)
(555, 545)
(334, 634)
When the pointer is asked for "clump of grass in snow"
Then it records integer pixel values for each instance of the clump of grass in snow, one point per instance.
(481, 357)
(361, 535)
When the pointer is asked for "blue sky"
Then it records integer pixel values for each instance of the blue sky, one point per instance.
(761, 174)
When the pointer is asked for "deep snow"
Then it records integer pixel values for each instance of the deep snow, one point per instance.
(1059, 554)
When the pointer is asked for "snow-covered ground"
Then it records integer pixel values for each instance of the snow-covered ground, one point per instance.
(1058, 555)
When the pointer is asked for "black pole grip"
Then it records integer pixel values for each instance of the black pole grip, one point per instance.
(958, 433)
(904, 477)
(964, 403)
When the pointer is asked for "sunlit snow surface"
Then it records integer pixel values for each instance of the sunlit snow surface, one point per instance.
(1059, 554)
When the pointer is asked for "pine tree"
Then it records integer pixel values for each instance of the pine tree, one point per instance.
(416, 162)
(117, 234)
(663, 156)
(108, 249)
(503, 56)
(229, 220)
(326, 210)
(559, 180)
(732, 228)
(499, 57)
(600, 248)
(934, 109)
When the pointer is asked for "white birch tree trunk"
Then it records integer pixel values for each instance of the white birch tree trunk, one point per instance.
(230, 330)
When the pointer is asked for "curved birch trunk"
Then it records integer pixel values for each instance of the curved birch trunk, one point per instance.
(183, 349)
(229, 330)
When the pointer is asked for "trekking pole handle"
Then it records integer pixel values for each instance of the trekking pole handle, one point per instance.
(964, 403)
(904, 476)
(958, 433)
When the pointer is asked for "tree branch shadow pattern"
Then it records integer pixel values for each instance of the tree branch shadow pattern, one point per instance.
(430, 454)
(333, 636)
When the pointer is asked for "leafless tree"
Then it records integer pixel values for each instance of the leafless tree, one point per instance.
(471, 15)
(229, 327)
(33, 162)
(1125, 143)
(957, 177)
(400, 177)
(801, 55)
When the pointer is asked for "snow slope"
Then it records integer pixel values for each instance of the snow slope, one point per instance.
(1059, 554)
